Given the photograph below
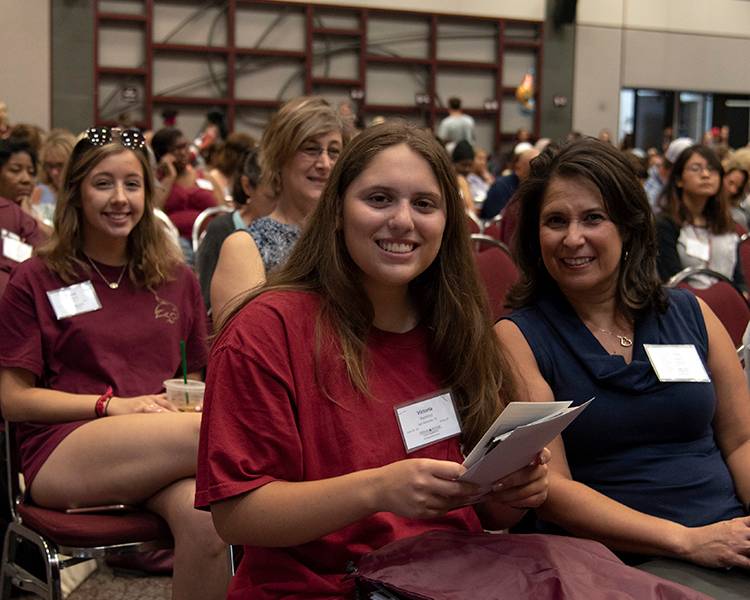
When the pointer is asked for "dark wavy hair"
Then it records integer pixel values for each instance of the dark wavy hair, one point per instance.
(717, 210)
(452, 303)
(638, 285)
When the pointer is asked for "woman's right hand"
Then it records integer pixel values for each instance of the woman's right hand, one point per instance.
(723, 544)
(166, 168)
(422, 488)
(152, 403)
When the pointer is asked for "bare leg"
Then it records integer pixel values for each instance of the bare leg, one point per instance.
(201, 568)
(119, 459)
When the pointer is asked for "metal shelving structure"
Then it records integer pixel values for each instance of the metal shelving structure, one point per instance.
(231, 55)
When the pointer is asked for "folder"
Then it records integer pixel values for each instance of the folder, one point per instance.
(515, 438)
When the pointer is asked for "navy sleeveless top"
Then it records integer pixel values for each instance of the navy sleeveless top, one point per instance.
(646, 444)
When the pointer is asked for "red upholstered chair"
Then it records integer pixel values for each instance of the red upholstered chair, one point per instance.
(723, 297)
(203, 219)
(492, 227)
(80, 537)
(744, 251)
(473, 223)
(497, 271)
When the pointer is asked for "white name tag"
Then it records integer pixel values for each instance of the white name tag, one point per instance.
(16, 250)
(74, 300)
(699, 249)
(204, 184)
(428, 421)
(676, 362)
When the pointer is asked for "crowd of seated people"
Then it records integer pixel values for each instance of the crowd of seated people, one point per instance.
(343, 286)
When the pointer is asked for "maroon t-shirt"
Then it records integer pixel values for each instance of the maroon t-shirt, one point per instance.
(267, 417)
(13, 219)
(183, 205)
(132, 343)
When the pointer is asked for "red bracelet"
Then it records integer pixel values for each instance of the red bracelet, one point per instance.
(100, 408)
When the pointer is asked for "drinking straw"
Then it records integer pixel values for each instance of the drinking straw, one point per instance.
(183, 357)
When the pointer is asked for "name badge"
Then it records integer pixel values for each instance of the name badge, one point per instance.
(204, 184)
(699, 249)
(676, 362)
(427, 421)
(16, 250)
(74, 300)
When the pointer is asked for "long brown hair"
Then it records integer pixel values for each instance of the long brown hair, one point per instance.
(152, 256)
(717, 210)
(450, 297)
(600, 164)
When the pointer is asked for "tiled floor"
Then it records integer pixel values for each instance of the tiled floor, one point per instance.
(104, 585)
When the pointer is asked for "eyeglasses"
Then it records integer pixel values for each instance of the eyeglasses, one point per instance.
(314, 151)
(101, 136)
(697, 169)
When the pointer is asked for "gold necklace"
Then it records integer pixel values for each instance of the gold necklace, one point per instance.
(625, 341)
(112, 284)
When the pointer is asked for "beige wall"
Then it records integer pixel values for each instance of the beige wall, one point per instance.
(509, 9)
(25, 60)
(690, 45)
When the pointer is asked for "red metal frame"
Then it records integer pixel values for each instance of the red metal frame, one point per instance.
(231, 51)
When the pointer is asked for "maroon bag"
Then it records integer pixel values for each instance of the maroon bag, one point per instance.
(452, 565)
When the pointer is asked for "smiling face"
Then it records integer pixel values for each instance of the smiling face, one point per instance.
(304, 176)
(393, 219)
(113, 198)
(580, 246)
(17, 177)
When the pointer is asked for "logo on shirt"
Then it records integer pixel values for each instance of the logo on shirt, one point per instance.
(166, 310)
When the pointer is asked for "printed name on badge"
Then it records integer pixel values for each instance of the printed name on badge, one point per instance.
(428, 421)
(676, 362)
(74, 300)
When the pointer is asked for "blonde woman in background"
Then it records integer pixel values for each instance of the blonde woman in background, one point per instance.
(53, 156)
(297, 152)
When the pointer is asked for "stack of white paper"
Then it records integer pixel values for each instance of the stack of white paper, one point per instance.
(515, 438)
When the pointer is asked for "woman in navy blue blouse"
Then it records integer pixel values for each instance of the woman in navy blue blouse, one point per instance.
(657, 465)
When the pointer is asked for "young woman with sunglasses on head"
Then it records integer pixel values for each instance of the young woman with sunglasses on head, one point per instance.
(378, 305)
(89, 330)
(297, 152)
(695, 227)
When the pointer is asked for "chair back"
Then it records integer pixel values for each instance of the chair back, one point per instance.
(492, 227)
(497, 271)
(203, 219)
(744, 256)
(473, 222)
(723, 297)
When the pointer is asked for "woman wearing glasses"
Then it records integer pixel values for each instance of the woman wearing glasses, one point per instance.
(298, 150)
(89, 330)
(695, 227)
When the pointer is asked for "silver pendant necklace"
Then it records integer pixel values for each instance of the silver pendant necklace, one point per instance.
(112, 284)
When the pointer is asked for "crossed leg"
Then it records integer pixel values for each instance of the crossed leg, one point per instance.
(142, 459)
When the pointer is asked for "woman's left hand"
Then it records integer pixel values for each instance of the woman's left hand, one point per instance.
(525, 488)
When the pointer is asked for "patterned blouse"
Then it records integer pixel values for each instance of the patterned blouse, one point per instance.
(274, 240)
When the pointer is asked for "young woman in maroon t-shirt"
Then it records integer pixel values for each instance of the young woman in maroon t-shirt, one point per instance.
(89, 330)
(301, 459)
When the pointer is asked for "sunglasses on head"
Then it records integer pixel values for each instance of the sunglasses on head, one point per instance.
(129, 138)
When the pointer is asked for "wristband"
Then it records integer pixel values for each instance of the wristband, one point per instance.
(100, 408)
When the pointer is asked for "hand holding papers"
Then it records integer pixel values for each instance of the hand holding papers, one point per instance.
(515, 438)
